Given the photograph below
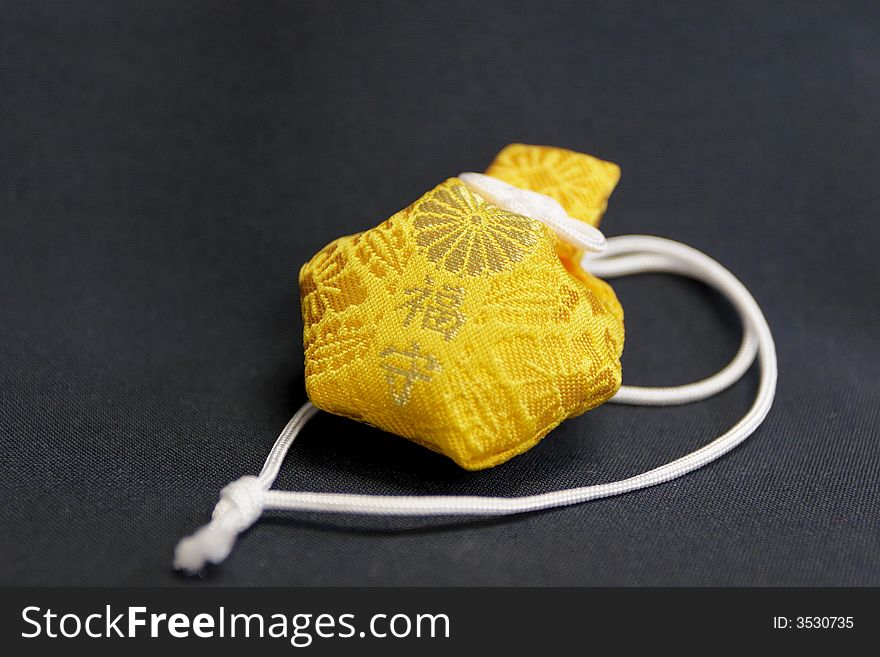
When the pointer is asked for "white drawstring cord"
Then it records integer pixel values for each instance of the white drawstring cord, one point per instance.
(639, 254)
(242, 502)
(537, 206)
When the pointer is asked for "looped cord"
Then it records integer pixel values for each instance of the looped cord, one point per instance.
(243, 501)
(640, 254)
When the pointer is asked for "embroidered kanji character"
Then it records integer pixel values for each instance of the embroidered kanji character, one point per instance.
(405, 367)
(439, 309)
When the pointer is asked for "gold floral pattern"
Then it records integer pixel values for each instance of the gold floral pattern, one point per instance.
(581, 183)
(530, 302)
(338, 345)
(382, 250)
(327, 284)
(466, 235)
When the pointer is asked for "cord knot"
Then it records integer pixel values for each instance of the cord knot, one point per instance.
(241, 504)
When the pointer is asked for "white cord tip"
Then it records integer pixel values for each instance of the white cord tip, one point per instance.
(210, 544)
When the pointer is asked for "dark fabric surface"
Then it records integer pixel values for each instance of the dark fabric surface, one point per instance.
(165, 169)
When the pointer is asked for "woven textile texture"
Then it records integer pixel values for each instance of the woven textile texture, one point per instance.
(455, 324)
(579, 182)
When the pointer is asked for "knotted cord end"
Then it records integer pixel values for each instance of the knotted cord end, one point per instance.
(241, 504)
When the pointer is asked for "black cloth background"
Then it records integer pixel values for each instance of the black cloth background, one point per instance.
(165, 169)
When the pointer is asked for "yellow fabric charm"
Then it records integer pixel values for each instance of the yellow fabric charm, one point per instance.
(461, 326)
(466, 323)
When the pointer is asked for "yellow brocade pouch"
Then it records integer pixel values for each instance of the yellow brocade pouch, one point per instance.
(466, 323)
(462, 326)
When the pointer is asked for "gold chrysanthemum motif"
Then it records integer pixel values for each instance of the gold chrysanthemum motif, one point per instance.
(466, 235)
